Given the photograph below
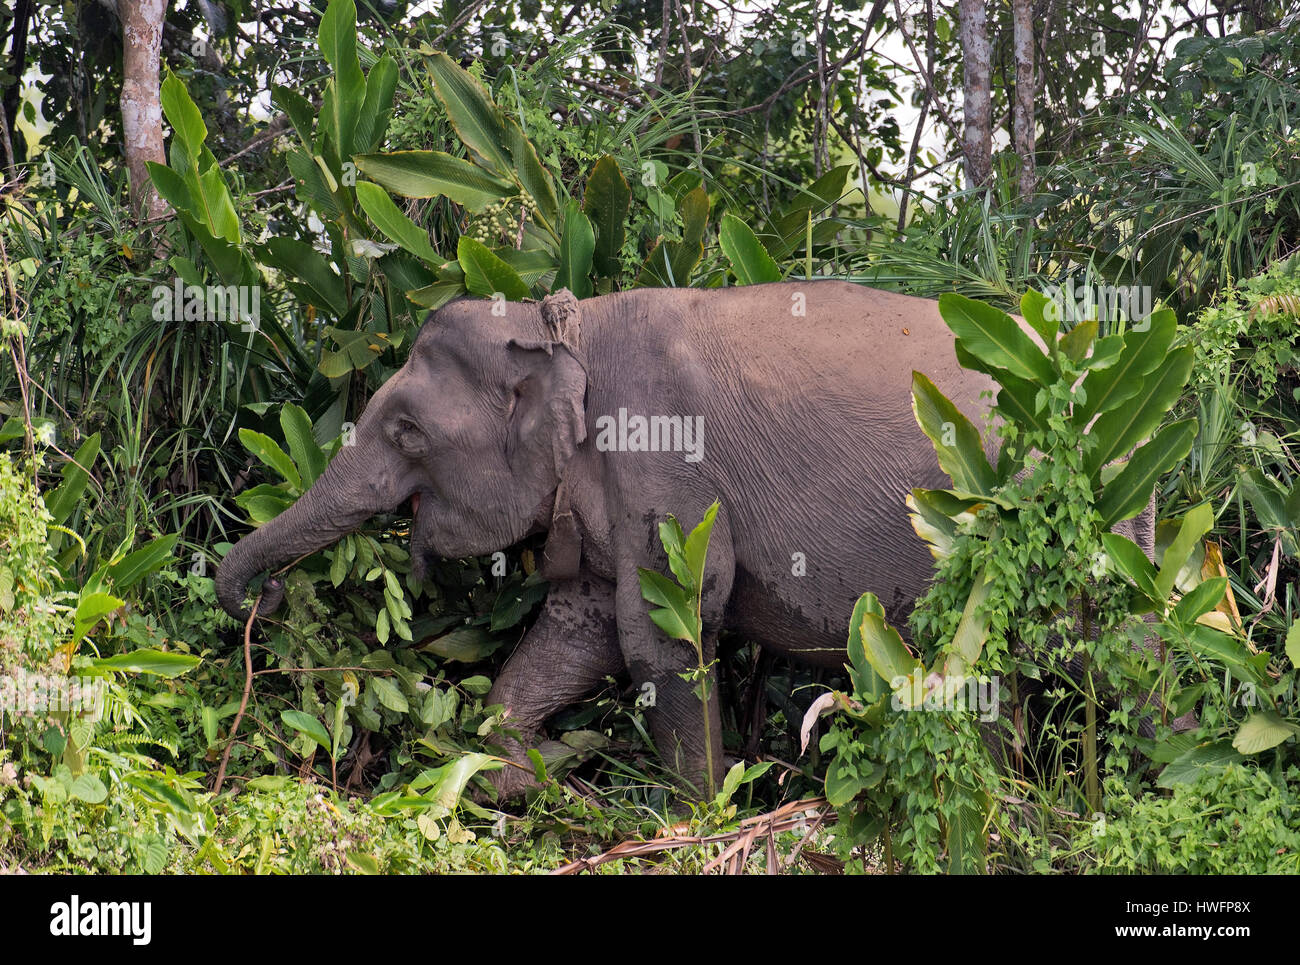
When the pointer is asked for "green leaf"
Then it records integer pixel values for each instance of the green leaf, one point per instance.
(676, 616)
(395, 225)
(1293, 644)
(159, 663)
(577, 248)
(301, 260)
(605, 202)
(307, 456)
(389, 695)
(973, 629)
(182, 114)
(1032, 304)
(993, 337)
(1110, 387)
(269, 452)
(696, 546)
(532, 175)
(1262, 731)
(76, 473)
(1018, 401)
(477, 120)
(172, 188)
(372, 125)
(1119, 430)
(298, 109)
(486, 274)
(149, 558)
(1202, 599)
(670, 263)
(466, 645)
(885, 650)
(1133, 563)
(956, 440)
(456, 777)
(868, 685)
(749, 260)
(91, 608)
(1078, 340)
(1191, 764)
(1128, 493)
(341, 104)
(305, 723)
(432, 174)
(1196, 523)
(88, 788)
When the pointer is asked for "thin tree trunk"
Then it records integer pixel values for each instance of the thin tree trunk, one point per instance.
(17, 67)
(977, 133)
(1023, 110)
(142, 30)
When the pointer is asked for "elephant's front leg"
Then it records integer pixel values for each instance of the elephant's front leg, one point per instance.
(567, 652)
(677, 714)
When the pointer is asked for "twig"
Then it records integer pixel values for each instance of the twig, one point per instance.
(243, 703)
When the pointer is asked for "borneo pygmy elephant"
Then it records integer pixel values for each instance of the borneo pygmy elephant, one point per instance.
(789, 403)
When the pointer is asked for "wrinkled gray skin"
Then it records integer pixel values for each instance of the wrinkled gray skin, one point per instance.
(809, 443)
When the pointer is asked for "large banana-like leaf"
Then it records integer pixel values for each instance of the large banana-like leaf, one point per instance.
(1128, 493)
(488, 275)
(577, 245)
(994, 337)
(1119, 430)
(1105, 389)
(955, 438)
(428, 174)
(379, 207)
(749, 259)
(346, 90)
(605, 202)
(476, 119)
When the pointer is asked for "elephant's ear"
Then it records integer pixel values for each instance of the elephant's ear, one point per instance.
(549, 420)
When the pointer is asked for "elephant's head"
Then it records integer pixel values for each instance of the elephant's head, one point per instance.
(475, 430)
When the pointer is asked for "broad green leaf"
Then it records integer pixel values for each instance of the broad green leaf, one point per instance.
(973, 629)
(389, 695)
(676, 616)
(994, 337)
(697, 544)
(749, 260)
(269, 452)
(395, 225)
(956, 440)
(1196, 523)
(88, 788)
(486, 274)
(1128, 493)
(306, 454)
(149, 558)
(76, 473)
(1076, 342)
(1293, 644)
(182, 114)
(605, 202)
(341, 105)
(477, 120)
(577, 246)
(172, 188)
(431, 174)
(91, 608)
(868, 685)
(298, 109)
(670, 263)
(1119, 430)
(305, 723)
(1263, 730)
(1209, 643)
(216, 208)
(1143, 351)
(532, 175)
(1032, 305)
(1018, 401)
(377, 108)
(885, 651)
(1133, 563)
(1202, 599)
(159, 663)
(1191, 764)
(456, 777)
(465, 645)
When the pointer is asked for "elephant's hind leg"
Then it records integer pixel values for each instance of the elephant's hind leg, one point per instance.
(567, 653)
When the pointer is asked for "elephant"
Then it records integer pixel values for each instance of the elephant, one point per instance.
(789, 403)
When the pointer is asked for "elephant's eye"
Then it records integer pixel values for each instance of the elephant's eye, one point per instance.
(408, 437)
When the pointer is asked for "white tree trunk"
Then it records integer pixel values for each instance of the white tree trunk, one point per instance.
(1024, 130)
(977, 134)
(142, 29)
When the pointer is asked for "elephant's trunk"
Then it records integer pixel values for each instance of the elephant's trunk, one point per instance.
(348, 493)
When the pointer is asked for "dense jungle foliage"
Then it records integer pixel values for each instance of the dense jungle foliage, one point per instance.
(357, 167)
